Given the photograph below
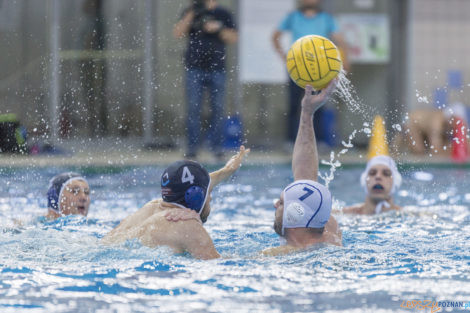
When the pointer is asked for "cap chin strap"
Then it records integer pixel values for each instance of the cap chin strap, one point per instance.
(381, 205)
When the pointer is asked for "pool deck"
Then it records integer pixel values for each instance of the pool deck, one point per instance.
(132, 153)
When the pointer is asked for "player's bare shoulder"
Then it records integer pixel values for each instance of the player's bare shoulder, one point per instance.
(393, 207)
(332, 233)
(354, 209)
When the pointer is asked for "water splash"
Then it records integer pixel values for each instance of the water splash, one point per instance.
(335, 163)
(346, 92)
(421, 98)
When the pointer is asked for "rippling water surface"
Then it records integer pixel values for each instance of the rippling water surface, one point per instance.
(422, 253)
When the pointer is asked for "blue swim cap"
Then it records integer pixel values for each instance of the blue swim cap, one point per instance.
(186, 183)
(56, 186)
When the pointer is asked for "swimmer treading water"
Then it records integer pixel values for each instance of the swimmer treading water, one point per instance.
(380, 180)
(68, 194)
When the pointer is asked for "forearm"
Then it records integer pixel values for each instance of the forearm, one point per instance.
(229, 35)
(225, 172)
(276, 39)
(305, 157)
(218, 176)
(181, 29)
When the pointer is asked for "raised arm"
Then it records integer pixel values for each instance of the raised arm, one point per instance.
(230, 167)
(181, 29)
(305, 156)
(276, 40)
(229, 35)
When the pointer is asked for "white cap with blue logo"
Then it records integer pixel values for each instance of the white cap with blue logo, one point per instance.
(307, 203)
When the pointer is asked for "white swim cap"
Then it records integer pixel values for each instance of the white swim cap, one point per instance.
(307, 203)
(388, 162)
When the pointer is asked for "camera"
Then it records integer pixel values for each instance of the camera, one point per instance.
(201, 15)
(199, 6)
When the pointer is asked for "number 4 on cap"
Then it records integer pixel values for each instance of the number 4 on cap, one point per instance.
(187, 176)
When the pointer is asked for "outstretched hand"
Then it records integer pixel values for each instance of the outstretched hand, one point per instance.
(311, 101)
(230, 167)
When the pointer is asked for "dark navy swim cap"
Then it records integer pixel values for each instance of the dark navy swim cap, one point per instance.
(56, 186)
(186, 183)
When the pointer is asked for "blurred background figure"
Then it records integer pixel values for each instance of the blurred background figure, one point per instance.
(380, 180)
(428, 130)
(94, 69)
(431, 130)
(208, 28)
(308, 19)
(12, 134)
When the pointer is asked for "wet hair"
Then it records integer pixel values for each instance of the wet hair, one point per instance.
(316, 230)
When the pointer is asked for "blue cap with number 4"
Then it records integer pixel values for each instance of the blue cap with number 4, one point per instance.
(185, 183)
(307, 203)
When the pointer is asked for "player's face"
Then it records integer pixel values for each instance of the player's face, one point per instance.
(211, 4)
(311, 4)
(75, 198)
(279, 205)
(379, 182)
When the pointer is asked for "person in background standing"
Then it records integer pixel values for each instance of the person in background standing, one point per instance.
(209, 28)
(308, 19)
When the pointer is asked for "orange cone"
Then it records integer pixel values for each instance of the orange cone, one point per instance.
(459, 141)
(378, 142)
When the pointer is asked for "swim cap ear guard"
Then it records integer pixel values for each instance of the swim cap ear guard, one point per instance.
(194, 198)
(53, 199)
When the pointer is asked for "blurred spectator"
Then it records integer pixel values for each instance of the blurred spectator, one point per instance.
(308, 19)
(12, 134)
(430, 130)
(94, 69)
(209, 28)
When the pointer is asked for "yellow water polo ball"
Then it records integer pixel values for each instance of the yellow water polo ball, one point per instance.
(313, 60)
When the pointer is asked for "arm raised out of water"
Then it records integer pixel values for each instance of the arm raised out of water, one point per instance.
(216, 178)
(305, 156)
(230, 167)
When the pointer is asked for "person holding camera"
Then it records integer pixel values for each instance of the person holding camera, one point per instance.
(209, 28)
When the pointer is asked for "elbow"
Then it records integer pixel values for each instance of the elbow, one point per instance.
(230, 36)
(234, 39)
(177, 34)
(275, 37)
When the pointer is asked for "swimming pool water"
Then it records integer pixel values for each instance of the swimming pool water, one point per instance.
(421, 253)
